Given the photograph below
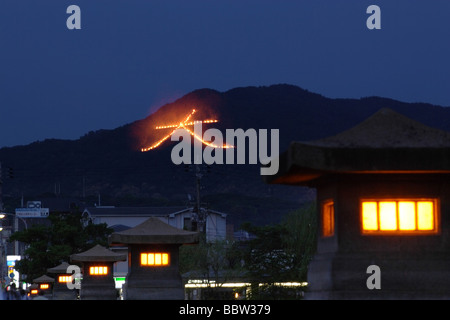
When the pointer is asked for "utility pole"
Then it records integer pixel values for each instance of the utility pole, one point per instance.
(199, 216)
(201, 221)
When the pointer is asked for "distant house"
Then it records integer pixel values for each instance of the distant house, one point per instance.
(121, 218)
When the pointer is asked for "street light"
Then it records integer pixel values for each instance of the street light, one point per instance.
(16, 249)
(4, 214)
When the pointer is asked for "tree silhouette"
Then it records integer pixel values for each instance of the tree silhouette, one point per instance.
(49, 245)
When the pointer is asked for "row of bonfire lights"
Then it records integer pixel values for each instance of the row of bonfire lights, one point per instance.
(184, 124)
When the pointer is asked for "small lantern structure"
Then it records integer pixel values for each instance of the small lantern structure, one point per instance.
(98, 281)
(383, 197)
(33, 290)
(60, 289)
(153, 250)
(43, 284)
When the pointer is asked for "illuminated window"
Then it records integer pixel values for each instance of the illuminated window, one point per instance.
(98, 270)
(328, 219)
(154, 259)
(64, 279)
(44, 286)
(399, 216)
(34, 291)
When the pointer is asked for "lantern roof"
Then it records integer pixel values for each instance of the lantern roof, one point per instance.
(98, 253)
(33, 286)
(59, 269)
(154, 231)
(386, 142)
(43, 279)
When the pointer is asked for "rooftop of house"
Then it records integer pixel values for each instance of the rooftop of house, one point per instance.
(133, 211)
(111, 211)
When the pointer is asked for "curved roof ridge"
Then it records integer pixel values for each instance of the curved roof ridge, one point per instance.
(98, 253)
(153, 230)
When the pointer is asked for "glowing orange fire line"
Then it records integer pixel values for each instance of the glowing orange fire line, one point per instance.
(187, 124)
(210, 144)
(183, 125)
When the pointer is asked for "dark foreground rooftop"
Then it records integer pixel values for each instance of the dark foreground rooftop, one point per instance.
(386, 142)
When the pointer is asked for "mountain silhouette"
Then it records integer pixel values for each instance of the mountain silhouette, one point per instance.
(110, 162)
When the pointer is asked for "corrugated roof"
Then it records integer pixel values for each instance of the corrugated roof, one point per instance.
(119, 227)
(133, 211)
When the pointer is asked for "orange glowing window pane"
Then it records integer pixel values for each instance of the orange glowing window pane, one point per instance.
(154, 259)
(44, 286)
(328, 219)
(34, 291)
(144, 260)
(165, 259)
(98, 270)
(158, 260)
(151, 259)
(370, 215)
(398, 216)
(407, 215)
(388, 215)
(425, 215)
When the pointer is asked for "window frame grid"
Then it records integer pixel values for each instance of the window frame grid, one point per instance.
(65, 278)
(102, 270)
(154, 264)
(416, 231)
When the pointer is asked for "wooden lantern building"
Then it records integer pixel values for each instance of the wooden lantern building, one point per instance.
(60, 289)
(43, 284)
(98, 265)
(153, 258)
(383, 198)
(33, 291)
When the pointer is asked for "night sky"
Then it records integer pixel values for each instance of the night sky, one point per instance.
(132, 56)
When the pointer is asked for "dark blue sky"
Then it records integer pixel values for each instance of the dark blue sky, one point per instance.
(131, 57)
